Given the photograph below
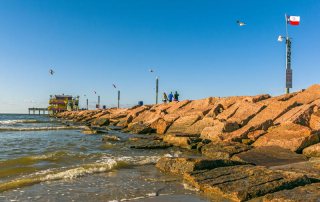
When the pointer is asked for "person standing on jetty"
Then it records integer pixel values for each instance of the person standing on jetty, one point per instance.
(176, 96)
(165, 98)
(170, 97)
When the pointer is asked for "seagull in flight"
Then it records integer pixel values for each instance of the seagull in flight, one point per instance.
(241, 23)
(51, 72)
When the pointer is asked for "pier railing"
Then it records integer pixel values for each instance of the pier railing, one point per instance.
(38, 110)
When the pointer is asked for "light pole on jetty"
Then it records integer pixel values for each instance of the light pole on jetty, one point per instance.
(118, 99)
(157, 86)
(157, 89)
(293, 20)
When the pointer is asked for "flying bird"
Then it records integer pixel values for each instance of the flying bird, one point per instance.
(151, 70)
(240, 23)
(114, 85)
(51, 72)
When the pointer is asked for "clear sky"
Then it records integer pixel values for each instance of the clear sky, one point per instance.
(195, 47)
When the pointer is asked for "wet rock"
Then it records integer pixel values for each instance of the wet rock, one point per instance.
(184, 141)
(223, 150)
(312, 151)
(181, 165)
(307, 193)
(140, 128)
(110, 138)
(244, 182)
(101, 122)
(89, 132)
(289, 136)
(269, 156)
(155, 144)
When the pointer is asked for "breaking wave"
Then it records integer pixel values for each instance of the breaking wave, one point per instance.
(41, 128)
(11, 122)
(103, 165)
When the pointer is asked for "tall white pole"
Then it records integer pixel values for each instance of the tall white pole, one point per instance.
(288, 59)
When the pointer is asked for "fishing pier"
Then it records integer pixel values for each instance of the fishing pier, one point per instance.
(38, 110)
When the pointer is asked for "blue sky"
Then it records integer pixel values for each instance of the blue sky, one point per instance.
(195, 47)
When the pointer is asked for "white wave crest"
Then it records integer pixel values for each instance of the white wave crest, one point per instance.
(11, 122)
(41, 128)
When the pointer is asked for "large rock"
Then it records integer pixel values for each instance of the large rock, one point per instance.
(139, 128)
(312, 151)
(182, 140)
(181, 125)
(307, 193)
(215, 110)
(101, 122)
(257, 98)
(181, 165)
(262, 121)
(198, 126)
(309, 95)
(299, 115)
(269, 156)
(309, 168)
(216, 131)
(150, 144)
(177, 105)
(223, 150)
(244, 182)
(314, 122)
(245, 112)
(161, 126)
(289, 136)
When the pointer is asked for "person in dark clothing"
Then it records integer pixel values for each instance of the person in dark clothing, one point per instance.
(165, 98)
(176, 96)
(170, 97)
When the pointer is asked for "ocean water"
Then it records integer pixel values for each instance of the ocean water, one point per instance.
(43, 159)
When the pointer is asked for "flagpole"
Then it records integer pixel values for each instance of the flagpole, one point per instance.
(288, 59)
(286, 19)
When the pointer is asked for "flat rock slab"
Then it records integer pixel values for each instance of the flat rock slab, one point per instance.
(151, 145)
(309, 168)
(269, 156)
(181, 165)
(244, 182)
(223, 150)
(308, 193)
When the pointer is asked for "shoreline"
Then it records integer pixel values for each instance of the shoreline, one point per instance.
(244, 141)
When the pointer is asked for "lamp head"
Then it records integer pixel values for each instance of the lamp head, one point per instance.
(280, 38)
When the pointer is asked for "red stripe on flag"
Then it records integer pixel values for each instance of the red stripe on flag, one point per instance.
(294, 22)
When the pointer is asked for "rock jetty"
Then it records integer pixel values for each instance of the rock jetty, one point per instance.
(258, 148)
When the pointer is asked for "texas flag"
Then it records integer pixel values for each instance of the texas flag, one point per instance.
(293, 20)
